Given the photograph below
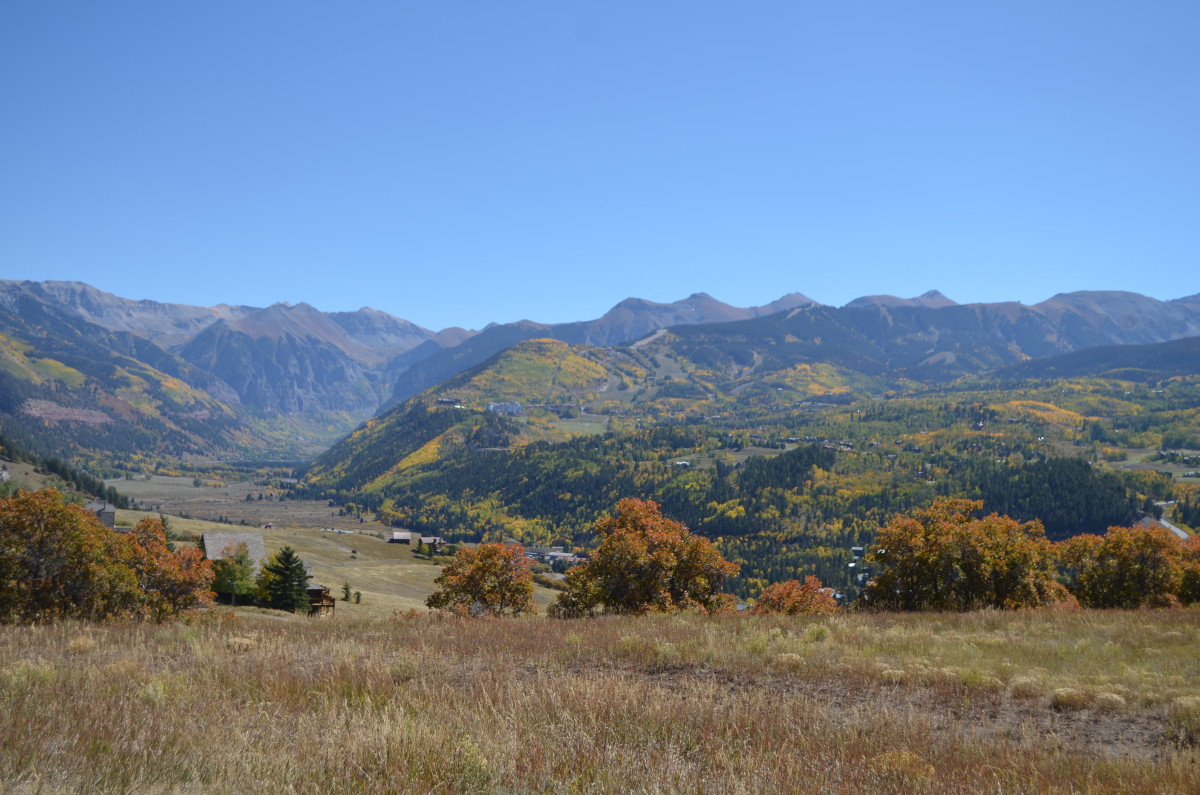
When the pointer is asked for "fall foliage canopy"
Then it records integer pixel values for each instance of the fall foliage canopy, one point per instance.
(942, 558)
(1131, 567)
(646, 562)
(170, 581)
(59, 561)
(490, 579)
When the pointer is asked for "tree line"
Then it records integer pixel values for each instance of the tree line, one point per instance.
(944, 556)
(795, 513)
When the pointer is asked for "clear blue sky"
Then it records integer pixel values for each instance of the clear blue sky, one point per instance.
(456, 162)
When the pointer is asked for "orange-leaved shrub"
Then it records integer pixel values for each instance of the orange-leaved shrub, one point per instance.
(644, 563)
(170, 581)
(1189, 575)
(1132, 567)
(490, 579)
(59, 561)
(794, 598)
(943, 558)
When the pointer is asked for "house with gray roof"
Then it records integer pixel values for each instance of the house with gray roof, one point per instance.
(216, 543)
(106, 512)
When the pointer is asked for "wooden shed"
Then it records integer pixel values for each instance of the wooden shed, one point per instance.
(320, 602)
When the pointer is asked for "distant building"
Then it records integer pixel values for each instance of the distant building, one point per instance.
(214, 545)
(105, 512)
(542, 553)
(402, 537)
(563, 557)
(513, 409)
(320, 602)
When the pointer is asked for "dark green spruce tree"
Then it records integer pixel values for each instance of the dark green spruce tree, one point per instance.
(287, 581)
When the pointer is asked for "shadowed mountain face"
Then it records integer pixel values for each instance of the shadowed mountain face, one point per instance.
(1112, 317)
(1148, 363)
(295, 359)
(282, 372)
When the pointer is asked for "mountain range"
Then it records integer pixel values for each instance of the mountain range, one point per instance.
(82, 367)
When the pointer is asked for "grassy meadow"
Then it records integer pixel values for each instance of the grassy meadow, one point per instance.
(389, 576)
(252, 701)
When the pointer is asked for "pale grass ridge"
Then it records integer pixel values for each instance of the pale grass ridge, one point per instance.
(850, 703)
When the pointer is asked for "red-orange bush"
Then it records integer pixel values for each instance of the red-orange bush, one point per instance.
(793, 597)
(58, 561)
(171, 581)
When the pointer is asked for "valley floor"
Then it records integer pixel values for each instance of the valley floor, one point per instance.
(389, 576)
(255, 701)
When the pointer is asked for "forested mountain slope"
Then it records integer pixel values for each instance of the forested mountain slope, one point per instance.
(1129, 362)
(741, 432)
(68, 386)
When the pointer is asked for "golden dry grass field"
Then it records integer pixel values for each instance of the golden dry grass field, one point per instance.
(257, 702)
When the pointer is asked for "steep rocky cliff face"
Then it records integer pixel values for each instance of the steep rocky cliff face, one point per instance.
(283, 373)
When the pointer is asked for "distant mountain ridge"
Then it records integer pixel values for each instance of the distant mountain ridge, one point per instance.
(903, 339)
(279, 359)
(626, 322)
(289, 365)
(1150, 362)
(932, 299)
(293, 366)
(163, 324)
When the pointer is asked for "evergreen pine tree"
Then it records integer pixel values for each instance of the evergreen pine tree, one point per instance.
(287, 583)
